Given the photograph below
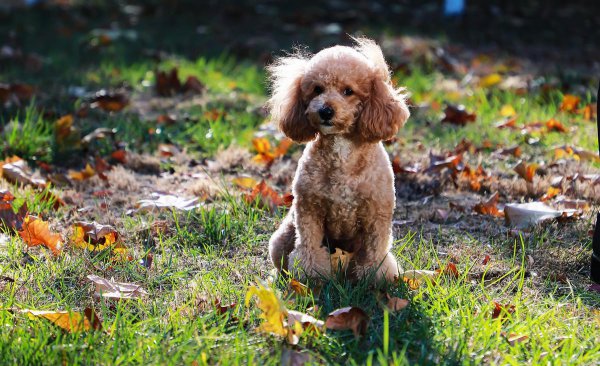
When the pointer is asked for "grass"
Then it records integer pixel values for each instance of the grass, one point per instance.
(217, 251)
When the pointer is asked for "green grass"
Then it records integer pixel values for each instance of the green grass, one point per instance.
(446, 323)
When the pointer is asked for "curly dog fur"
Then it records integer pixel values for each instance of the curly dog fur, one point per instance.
(342, 102)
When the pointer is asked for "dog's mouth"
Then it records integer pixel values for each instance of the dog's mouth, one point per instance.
(327, 123)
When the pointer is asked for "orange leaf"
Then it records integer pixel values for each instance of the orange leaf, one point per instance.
(267, 196)
(84, 174)
(569, 103)
(261, 145)
(110, 102)
(489, 207)
(120, 156)
(283, 147)
(554, 125)
(550, 193)
(70, 321)
(526, 171)
(396, 304)
(348, 318)
(36, 232)
(589, 112)
(299, 288)
(450, 270)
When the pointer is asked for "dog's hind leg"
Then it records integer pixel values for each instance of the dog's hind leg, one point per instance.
(282, 242)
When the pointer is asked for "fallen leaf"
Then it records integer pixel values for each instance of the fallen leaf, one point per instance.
(514, 151)
(554, 125)
(193, 85)
(120, 156)
(99, 133)
(116, 290)
(167, 83)
(522, 215)
(168, 201)
(486, 259)
(513, 338)
(458, 115)
(500, 311)
(340, 260)
(589, 112)
(450, 270)
(577, 153)
(93, 236)
(64, 132)
(396, 304)
(526, 171)
(8, 217)
(490, 80)
(35, 232)
(273, 312)
(437, 162)
(507, 110)
(350, 317)
(299, 288)
(244, 182)
(71, 321)
(569, 103)
(510, 123)
(489, 207)
(109, 101)
(84, 174)
(222, 309)
(550, 193)
(17, 172)
(267, 197)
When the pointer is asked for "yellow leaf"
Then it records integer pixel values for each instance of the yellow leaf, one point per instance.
(69, 321)
(93, 236)
(507, 110)
(245, 182)
(273, 311)
(261, 145)
(86, 173)
(490, 80)
(340, 259)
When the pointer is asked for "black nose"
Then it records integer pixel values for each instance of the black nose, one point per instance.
(326, 113)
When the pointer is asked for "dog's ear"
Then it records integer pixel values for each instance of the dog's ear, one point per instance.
(286, 105)
(385, 111)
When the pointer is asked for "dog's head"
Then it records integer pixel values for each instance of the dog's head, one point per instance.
(340, 90)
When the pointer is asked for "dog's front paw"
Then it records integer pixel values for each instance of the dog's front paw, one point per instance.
(311, 263)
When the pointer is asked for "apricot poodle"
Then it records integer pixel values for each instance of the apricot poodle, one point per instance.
(342, 102)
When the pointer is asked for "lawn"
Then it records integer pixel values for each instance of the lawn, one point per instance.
(102, 106)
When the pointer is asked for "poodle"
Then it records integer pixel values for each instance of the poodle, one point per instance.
(342, 102)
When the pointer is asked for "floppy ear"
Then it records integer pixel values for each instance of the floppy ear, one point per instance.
(286, 105)
(385, 111)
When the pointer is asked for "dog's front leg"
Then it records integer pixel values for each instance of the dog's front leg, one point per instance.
(375, 255)
(309, 257)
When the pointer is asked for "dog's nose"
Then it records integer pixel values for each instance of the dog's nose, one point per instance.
(326, 113)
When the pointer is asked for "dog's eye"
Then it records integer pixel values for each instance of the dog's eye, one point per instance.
(318, 90)
(348, 92)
